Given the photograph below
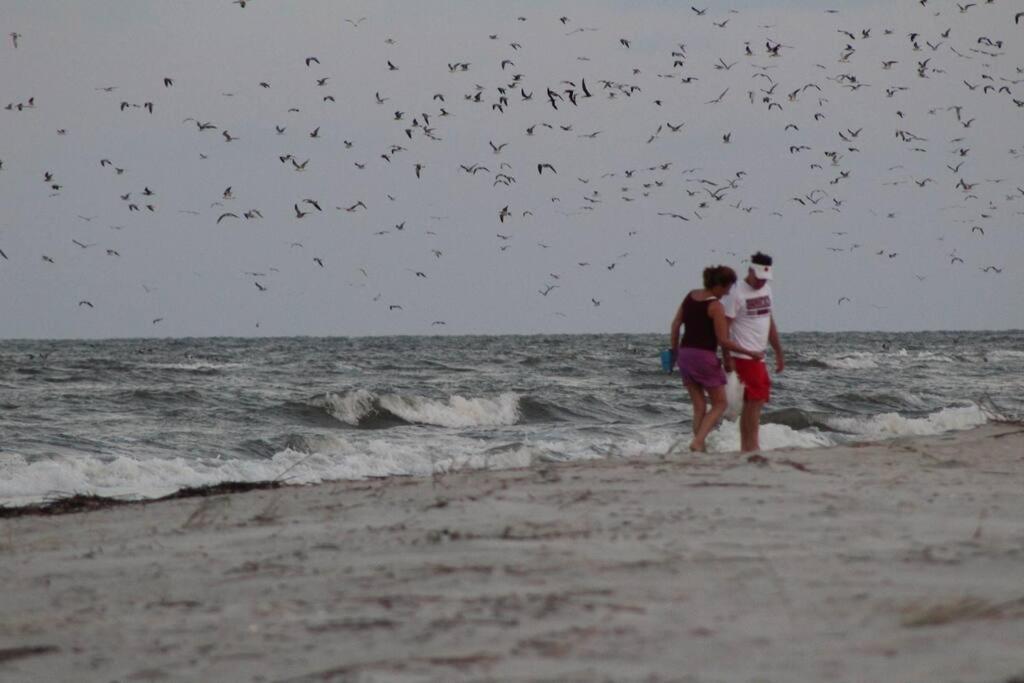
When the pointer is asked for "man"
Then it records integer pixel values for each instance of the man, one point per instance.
(748, 307)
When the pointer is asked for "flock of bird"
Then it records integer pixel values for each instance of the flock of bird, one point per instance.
(543, 154)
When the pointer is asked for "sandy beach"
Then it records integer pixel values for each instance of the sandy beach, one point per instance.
(897, 561)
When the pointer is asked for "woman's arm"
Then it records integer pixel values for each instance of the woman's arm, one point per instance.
(717, 313)
(727, 363)
(677, 322)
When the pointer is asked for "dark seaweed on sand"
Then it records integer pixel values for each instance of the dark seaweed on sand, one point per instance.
(90, 502)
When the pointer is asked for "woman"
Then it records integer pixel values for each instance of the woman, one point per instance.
(706, 329)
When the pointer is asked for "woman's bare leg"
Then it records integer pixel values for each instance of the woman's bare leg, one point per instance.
(718, 406)
(699, 404)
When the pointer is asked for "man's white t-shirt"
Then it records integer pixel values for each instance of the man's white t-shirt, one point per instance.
(751, 313)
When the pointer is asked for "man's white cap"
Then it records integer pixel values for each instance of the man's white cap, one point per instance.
(761, 272)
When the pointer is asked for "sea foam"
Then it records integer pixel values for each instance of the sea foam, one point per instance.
(889, 425)
(330, 456)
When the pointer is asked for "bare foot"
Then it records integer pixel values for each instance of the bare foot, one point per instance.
(698, 447)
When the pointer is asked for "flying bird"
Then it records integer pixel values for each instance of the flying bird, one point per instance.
(719, 98)
(673, 215)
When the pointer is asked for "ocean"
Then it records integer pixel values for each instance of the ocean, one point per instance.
(145, 417)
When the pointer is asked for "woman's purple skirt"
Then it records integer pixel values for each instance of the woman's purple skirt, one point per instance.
(700, 366)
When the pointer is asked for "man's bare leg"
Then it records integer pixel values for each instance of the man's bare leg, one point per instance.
(750, 423)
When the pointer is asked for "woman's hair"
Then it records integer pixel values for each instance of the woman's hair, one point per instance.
(719, 275)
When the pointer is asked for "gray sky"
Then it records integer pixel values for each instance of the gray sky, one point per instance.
(600, 208)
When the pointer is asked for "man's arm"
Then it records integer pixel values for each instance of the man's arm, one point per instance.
(717, 314)
(773, 340)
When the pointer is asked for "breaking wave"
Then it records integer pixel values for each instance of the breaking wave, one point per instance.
(366, 409)
(853, 361)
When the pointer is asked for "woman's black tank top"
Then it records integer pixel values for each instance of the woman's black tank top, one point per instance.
(699, 328)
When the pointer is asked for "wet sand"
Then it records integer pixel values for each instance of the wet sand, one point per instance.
(901, 561)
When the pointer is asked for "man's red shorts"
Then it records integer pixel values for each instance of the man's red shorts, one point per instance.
(754, 375)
